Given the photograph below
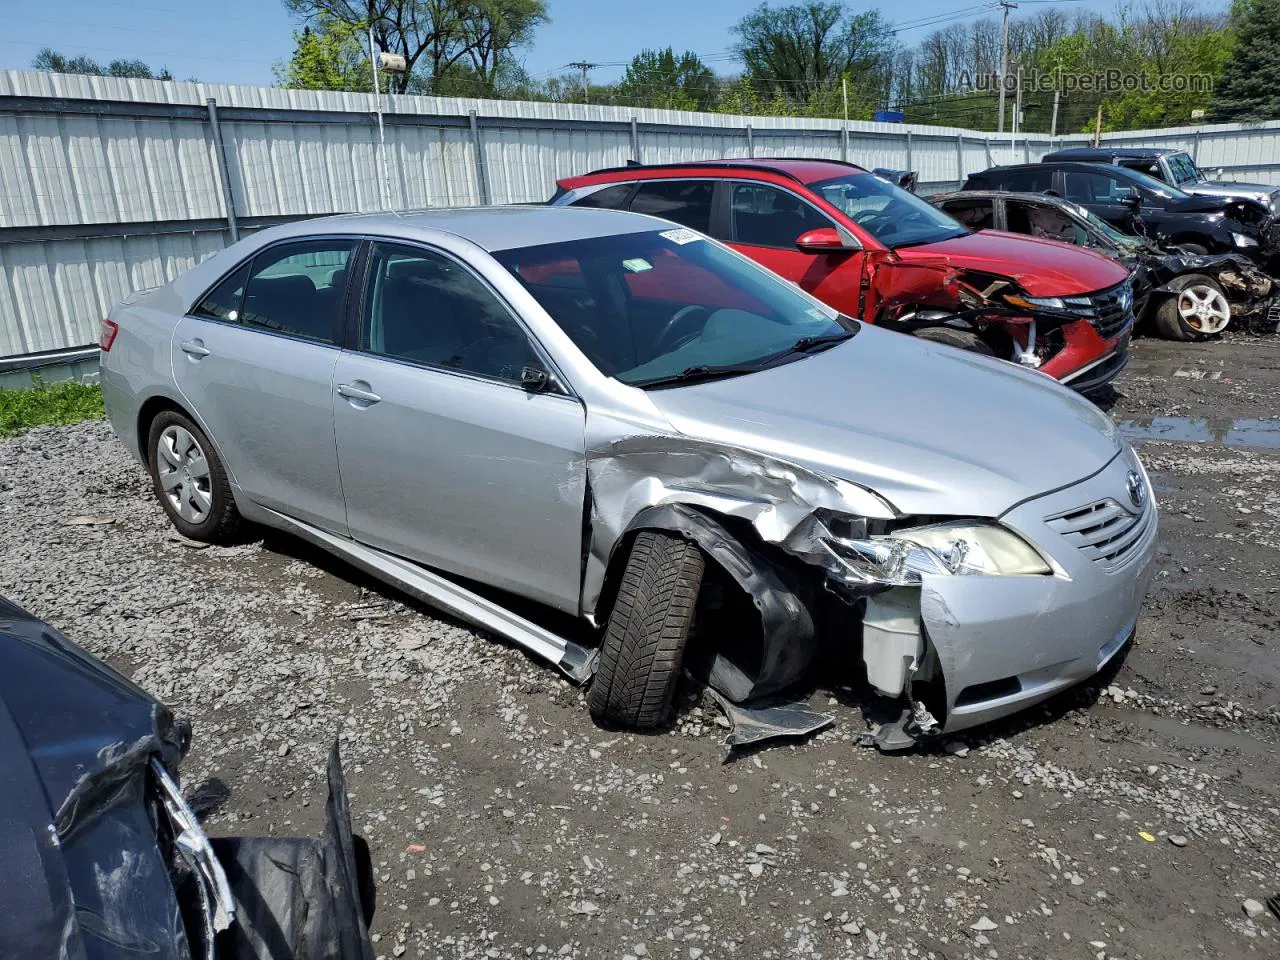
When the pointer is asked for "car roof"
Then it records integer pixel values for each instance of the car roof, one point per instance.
(1129, 152)
(1084, 165)
(801, 169)
(493, 228)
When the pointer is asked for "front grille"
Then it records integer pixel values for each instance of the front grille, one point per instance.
(1104, 532)
(1109, 311)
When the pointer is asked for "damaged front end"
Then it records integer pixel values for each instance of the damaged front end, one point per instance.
(1252, 296)
(106, 859)
(1052, 334)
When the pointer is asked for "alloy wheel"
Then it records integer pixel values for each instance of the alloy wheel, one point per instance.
(1204, 309)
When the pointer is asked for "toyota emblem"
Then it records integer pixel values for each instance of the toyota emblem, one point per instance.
(1137, 489)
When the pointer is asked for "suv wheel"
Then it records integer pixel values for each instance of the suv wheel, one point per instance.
(643, 646)
(1198, 309)
(964, 339)
(190, 481)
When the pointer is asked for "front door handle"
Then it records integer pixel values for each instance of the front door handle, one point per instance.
(358, 393)
(195, 349)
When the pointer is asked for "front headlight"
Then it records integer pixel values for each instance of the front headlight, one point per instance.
(1243, 241)
(1029, 303)
(962, 548)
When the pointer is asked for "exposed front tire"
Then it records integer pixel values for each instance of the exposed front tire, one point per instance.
(190, 481)
(643, 646)
(964, 339)
(1198, 309)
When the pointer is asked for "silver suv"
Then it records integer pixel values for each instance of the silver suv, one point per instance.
(624, 421)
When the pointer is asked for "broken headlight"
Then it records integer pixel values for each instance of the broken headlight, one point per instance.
(963, 548)
(1243, 240)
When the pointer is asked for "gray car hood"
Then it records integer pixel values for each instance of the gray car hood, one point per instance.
(1226, 188)
(932, 429)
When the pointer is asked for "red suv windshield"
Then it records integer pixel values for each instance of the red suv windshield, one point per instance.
(890, 214)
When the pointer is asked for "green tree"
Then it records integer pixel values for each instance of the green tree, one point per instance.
(331, 56)
(658, 78)
(54, 62)
(1250, 87)
(437, 38)
(806, 48)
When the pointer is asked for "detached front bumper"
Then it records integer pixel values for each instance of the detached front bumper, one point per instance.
(1005, 643)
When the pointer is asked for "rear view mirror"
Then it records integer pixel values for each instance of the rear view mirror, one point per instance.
(823, 240)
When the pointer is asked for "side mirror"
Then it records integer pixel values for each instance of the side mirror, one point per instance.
(534, 379)
(824, 240)
(1132, 199)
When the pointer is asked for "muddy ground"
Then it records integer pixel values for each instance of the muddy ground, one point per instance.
(1130, 822)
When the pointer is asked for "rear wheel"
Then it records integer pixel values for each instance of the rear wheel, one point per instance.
(1198, 309)
(643, 646)
(190, 481)
(964, 339)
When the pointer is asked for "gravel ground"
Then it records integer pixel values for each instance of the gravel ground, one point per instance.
(1128, 820)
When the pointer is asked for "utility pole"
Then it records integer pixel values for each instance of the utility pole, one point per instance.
(1017, 111)
(584, 67)
(1004, 58)
(384, 186)
(1053, 124)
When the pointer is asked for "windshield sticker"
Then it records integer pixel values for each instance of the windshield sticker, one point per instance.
(637, 265)
(681, 236)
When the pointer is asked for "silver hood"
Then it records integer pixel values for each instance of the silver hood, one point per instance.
(1260, 192)
(932, 429)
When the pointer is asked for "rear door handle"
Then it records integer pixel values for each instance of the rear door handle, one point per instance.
(194, 348)
(359, 393)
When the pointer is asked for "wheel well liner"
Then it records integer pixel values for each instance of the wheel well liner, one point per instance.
(782, 597)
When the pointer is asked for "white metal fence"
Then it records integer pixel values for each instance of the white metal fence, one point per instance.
(109, 185)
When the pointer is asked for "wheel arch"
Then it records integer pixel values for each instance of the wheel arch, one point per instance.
(781, 590)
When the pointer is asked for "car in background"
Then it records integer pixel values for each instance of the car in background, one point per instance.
(1184, 296)
(596, 413)
(1174, 167)
(879, 253)
(1122, 196)
(103, 857)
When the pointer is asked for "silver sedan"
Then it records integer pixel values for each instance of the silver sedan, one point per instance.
(624, 421)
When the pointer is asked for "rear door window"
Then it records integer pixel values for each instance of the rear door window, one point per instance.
(225, 301)
(612, 198)
(1028, 181)
(687, 202)
(974, 214)
(297, 289)
(1086, 188)
(765, 216)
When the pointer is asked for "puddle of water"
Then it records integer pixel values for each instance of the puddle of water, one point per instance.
(1255, 434)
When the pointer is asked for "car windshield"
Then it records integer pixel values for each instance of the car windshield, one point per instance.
(1158, 187)
(1183, 168)
(890, 214)
(671, 306)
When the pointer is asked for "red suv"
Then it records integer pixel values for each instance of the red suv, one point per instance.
(877, 252)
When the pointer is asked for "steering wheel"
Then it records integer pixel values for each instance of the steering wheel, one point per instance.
(868, 217)
(674, 330)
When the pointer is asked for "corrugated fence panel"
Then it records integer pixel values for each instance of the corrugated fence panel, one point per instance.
(117, 151)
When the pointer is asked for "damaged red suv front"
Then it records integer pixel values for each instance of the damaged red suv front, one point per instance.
(877, 252)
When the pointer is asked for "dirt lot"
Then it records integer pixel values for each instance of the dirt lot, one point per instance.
(504, 824)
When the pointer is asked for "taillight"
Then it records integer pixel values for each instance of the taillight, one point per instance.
(107, 336)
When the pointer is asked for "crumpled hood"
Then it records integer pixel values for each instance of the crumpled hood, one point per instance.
(1043, 268)
(932, 429)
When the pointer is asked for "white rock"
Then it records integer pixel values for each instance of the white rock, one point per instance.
(1253, 909)
(984, 924)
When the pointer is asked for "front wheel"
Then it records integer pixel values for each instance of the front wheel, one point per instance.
(964, 339)
(190, 481)
(643, 646)
(1198, 309)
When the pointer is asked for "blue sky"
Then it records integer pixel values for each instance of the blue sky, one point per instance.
(237, 41)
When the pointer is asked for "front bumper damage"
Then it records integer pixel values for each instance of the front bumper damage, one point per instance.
(953, 650)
